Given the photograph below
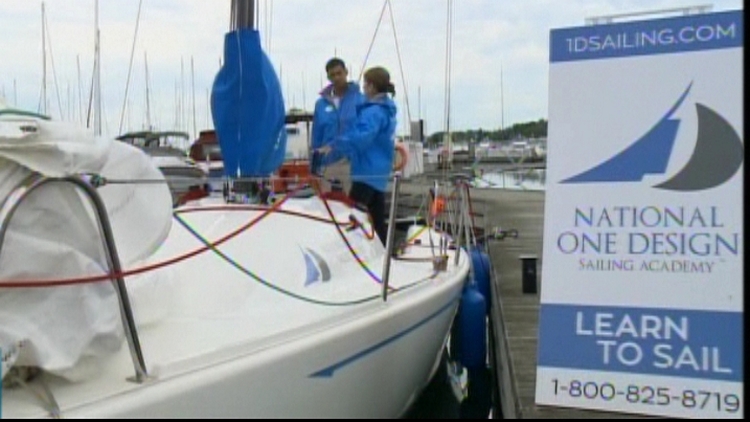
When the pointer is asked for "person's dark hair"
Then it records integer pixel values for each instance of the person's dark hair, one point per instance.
(334, 62)
(380, 79)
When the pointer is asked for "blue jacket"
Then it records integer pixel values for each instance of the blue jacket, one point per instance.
(329, 121)
(369, 145)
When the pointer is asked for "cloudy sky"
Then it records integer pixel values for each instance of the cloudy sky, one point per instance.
(300, 36)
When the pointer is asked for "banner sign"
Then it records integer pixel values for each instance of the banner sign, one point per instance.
(642, 277)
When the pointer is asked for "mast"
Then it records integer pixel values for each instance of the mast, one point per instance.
(448, 143)
(80, 94)
(125, 102)
(48, 41)
(419, 102)
(70, 109)
(177, 105)
(243, 14)
(281, 73)
(289, 92)
(502, 99)
(183, 120)
(97, 75)
(43, 106)
(192, 82)
(148, 101)
(242, 17)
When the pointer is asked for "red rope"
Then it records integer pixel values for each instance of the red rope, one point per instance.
(35, 284)
(346, 241)
(31, 284)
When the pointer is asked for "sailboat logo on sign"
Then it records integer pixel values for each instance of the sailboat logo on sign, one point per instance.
(718, 154)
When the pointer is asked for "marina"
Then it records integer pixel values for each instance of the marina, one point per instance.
(227, 273)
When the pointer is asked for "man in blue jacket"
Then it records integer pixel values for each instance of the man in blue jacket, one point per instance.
(335, 113)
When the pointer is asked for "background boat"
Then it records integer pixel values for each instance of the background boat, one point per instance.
(186, 179)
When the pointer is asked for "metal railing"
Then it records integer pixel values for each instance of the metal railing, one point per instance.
(596, 20)
(36, 181)
(391, 234)
(454, 223)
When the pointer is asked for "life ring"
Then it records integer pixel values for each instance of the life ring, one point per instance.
(402, 156)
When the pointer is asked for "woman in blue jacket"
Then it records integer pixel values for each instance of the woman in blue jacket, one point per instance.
(369, 145)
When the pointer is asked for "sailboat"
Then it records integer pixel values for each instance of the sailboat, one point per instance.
(112, 304)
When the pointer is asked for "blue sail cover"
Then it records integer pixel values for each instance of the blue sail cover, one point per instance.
(248, 108)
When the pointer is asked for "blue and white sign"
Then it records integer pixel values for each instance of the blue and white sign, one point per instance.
(642, 281)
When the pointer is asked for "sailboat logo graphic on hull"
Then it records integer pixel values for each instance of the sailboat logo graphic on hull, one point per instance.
(717, 156)
(317, 269)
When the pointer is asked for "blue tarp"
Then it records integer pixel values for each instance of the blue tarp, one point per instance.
(248, 108)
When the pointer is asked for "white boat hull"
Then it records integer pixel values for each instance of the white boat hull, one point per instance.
(367, 369)
(265, 337)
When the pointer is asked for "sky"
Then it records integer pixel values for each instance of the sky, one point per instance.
(499, 61)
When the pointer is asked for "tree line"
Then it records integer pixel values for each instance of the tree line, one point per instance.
(537, 129)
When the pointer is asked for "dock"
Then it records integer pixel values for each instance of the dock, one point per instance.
(514, 314)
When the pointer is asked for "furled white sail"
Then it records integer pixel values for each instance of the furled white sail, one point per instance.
(54, 235)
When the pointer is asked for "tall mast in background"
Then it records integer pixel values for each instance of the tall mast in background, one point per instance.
(148, 95)
(502, 101)
(192, 82)
(97, 75)
(43, 100)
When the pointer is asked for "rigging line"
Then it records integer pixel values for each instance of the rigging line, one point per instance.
(91, 95)
(354, 253)
(80, 93)
(26, 284)
(400, 64)
(263, 281)
(130, 67)
(270, 26)
(372, 42)
(246, 271)
(106, 121)
(54, 71)
(39, 106)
